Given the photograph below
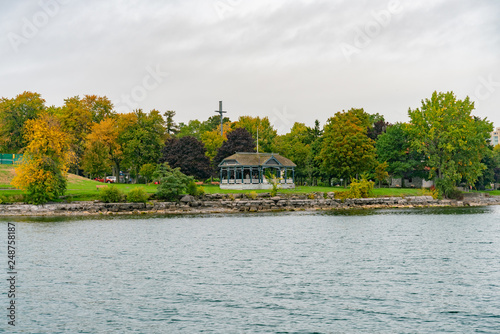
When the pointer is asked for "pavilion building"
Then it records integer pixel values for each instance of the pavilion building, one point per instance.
(245, 170)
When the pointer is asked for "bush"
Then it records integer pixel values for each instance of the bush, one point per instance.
(361, 189)
(172, 182)
(111, 195)
(252, 195)
(192, 189)
(310, 196)
(342, 195)
(447, 189)
(201, 190)
(137, 195)
(432, 191)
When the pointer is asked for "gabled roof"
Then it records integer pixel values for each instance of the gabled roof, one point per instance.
(256, 159)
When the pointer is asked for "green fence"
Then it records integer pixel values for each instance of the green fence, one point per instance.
(9, 158)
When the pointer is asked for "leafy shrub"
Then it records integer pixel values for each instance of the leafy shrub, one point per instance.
(192, 188)
(137, 195)
(342, 195)
(361, 189)
(201, 190)
(172, 182)
(111, 195)
(358, 189)
(310, 196)
(432, 191)
(447, 189)
(252, 195)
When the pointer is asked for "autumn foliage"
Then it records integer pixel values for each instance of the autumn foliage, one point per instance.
(43, 169)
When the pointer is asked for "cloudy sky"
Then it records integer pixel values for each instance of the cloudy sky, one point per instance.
(289, 60)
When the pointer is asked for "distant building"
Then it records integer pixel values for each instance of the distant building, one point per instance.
(494, 137)
(415, 182)
(245, 170)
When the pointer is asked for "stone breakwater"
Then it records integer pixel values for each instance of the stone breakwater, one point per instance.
(218, 203)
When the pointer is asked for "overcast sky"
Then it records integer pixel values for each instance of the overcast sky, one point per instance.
(289, 60)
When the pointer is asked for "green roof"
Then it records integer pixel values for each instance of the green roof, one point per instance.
(256, 159)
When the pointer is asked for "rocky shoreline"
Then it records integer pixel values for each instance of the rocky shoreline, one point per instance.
(230, 203)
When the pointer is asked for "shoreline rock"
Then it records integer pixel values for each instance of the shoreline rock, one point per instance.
(217, 203)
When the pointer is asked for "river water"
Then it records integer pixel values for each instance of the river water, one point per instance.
(370, 271)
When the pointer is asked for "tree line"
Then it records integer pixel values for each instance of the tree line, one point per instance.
(442, 140)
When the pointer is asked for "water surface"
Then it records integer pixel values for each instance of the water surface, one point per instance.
(384, 271)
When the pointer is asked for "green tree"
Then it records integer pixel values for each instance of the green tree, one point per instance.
(452, 139)
(296, 146)
(141, 138)
(13, 115)
(314, 165)
(192, 129)
(394, 147)
(213, 123)
(148, 170)
(267, 133)
(381, 172)
(346, 150)
(100, 107)
(170, 126)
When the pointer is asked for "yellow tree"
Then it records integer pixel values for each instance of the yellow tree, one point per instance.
(102, 149)
(213, 140)
(43, 170)
(77, 117)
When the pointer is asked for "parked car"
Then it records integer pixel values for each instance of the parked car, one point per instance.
(110, 179)
(99, 179)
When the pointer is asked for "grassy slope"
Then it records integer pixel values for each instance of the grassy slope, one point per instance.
(79, 188)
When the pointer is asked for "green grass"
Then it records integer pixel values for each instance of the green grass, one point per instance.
(493, 192)
(82, 189)
(78, 189)
(86, 190)
(378, 192)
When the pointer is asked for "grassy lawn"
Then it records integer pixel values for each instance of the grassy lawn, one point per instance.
(493, 192)
(378, 192)
(79, 188)
(83, 189)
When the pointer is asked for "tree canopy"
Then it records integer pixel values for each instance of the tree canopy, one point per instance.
(452, 139)
(14, 113)
(187, 153)
(238, 140)
(346, 150)
(43, 169)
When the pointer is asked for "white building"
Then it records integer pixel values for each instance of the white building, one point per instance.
(495, 137)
